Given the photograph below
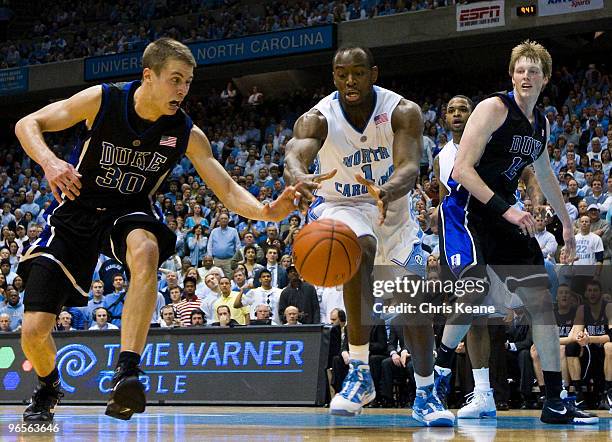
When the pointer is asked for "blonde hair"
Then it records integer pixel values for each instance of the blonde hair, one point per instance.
(156, 54)
(533, 51)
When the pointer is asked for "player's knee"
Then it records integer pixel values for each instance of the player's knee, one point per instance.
(35, 329)
(143, 250)
(608, 348)
(572, 350)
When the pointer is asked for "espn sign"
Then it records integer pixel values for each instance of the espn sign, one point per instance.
(480, 15)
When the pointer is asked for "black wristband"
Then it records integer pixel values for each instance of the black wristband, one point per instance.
(497, 204)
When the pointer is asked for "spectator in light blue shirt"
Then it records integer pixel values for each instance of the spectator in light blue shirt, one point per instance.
(223, 244)
(13, 307)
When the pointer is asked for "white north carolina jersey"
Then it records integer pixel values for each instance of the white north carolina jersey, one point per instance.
(368, 153)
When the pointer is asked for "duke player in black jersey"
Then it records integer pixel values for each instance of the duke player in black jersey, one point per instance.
(505, 134)
(134, 134)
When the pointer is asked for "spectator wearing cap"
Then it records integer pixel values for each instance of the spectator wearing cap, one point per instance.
(301, 295)
(5, 268)
(100, 316)
(598, 226)
(12, 307)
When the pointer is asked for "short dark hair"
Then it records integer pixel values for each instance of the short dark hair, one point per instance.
(229, 311)
(156, 54)
(468, 99)
(265, 271)
(351, 48)
(197, 311)
(189, 279)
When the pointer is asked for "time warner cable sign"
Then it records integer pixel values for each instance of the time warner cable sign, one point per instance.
(253, 47)
(265, 365)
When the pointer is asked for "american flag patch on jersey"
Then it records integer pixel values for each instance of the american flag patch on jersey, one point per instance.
(167, 141)
(380, 119)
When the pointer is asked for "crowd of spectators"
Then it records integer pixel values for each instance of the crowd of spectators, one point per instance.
(66, 30)
(231, 272)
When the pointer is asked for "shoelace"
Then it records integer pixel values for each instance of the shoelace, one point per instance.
(473, 397)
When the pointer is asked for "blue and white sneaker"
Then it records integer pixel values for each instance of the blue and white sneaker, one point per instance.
(480, 404)
(442, 383)
(428, 409)
(357, 391)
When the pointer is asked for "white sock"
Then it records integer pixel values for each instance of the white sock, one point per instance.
(481, 379)
(423, 381)
(360, 352)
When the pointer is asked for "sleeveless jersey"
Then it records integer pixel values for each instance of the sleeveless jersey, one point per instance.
(565, 322)
(120, 166)
(596, 326)
(353, 151)
(512, 147)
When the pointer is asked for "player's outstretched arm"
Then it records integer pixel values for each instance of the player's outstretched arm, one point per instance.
(308, 134)
(57, 116)
(551, 190)
(233, 196)
(407, 123)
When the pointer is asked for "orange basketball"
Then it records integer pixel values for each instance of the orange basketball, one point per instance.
(326, 253)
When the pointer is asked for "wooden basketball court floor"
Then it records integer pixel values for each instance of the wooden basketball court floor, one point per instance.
(267, 424)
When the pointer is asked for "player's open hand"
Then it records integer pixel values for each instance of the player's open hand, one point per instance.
(286, 203)
(308, 184)
(378, 194)
(524, 220)
(63, 178)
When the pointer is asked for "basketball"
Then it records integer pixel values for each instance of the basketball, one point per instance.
(326, 253)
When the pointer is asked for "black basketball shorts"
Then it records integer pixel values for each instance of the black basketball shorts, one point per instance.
(67, 252)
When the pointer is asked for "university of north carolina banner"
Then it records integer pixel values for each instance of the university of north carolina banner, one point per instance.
(556, 7)
(14, 81)
(480, 15)
(211, 365)
(273, 44)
